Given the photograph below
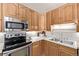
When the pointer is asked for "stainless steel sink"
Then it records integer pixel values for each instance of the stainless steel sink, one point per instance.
(63, 41)
(68, 42)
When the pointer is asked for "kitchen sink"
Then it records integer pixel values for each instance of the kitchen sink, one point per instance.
(63, 41)
(67, 42)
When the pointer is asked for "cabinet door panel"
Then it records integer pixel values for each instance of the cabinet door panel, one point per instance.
(61, 15)
(52, 49)
(0, 25)
(0, 11)
(29, 18)
(56, 16)
(45, 47)
(67, 51)
(21, 12)
(35, 21)
(36, 48)
(48, 21)
(69, 13)
(10, 9)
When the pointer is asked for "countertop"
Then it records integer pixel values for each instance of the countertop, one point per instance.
(35, 39)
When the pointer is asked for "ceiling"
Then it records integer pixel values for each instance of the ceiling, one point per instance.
(43, 7)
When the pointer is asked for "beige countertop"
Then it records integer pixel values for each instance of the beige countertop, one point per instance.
(35, 39)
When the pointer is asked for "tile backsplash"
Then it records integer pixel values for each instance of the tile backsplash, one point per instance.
(66, 35)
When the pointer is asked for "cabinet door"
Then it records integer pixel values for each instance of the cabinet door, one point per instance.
(69, 13)
(61, 15)
(0, 11)
(56, 16)
(36, 49)
(38, 21)
(0, 17)
(45, 47)
(53, 49)
(63, 53)
(0, 25)
(10, 9)
(48, 21)
(21, 10)
(34, 20)
(66, 51)
(77, 18)
(28, 17)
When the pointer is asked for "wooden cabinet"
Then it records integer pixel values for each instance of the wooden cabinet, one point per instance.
(56, 16)
(34, 20)
(52, 49)
(22, 12)
(10, 9)
(45, 47)
(29, 18)
(66, 51)
(63, 14)
(49, 48)
(48, 21)
(0, 25)
(0, 17)
(69, 13)
(77, 13)
(36, 49)
(0, 11)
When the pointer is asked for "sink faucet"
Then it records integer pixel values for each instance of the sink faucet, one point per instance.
(42, 33)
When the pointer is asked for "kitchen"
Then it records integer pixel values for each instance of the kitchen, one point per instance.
(39, 29)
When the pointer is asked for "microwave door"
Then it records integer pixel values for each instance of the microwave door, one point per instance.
(14, 25)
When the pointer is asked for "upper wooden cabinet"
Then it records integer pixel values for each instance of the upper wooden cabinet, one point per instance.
(10, 9)
(29, 17)
(22, 12)
(0, 25)
(48, 21)
(0, 11)
(69, 13)
(35, 20)
(56, 16)
(64, 14)
(0, 17)
(61, 15)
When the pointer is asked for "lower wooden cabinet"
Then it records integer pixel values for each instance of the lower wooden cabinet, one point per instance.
(47, 48)
(52, 49)
(36, 49)
(67, 51)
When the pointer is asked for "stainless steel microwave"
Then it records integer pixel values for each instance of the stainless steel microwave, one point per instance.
(13, 24)
(16, 25)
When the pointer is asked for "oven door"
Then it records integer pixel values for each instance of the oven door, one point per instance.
(22, 51)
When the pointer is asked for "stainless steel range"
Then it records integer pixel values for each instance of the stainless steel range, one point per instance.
(16, 44)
